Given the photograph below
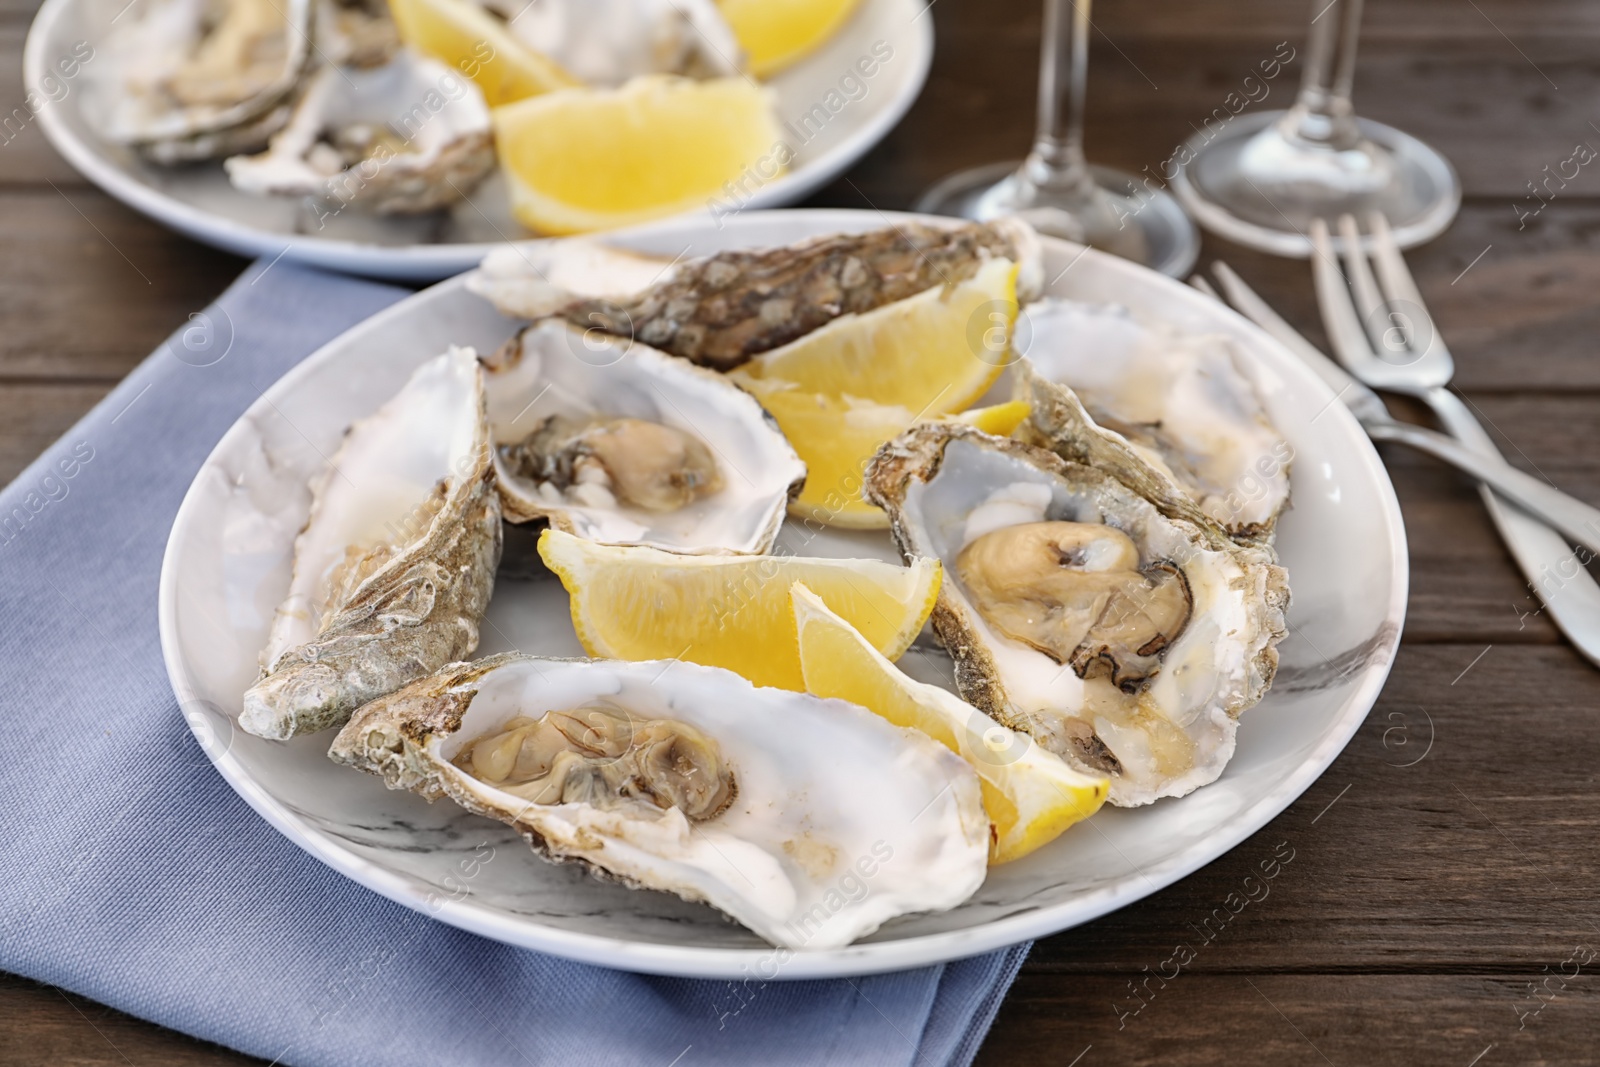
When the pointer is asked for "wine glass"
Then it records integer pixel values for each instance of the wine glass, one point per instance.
(1260, 179)
(1055, 188)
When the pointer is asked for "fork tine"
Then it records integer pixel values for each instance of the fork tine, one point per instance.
(1198, 280)
(1400, 288)
(1345, 332)
(1363, 287)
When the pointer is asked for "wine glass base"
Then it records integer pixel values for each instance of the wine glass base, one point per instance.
(1157, 232)
(1419, 198)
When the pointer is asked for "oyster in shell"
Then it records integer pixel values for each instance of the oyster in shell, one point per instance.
(394, 568)
(693, 781)
(1174, 415)
(607, 42)
(402, 138)
(616, 442)
(1124, 640)
(190, 80)
(723, 310)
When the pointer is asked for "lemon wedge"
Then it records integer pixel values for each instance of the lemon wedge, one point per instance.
(932, 353)
(837, 436)
(1032, 796)
(470, 40)
(776, 33)
(729, 611)
(842, 390)
(592, 159)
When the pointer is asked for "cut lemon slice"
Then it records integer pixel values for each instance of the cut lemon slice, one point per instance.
(1031, 795)
(838, 436)
(729, 611)
(470, 40)
(776, 33)
(592, 159)
(932, 353)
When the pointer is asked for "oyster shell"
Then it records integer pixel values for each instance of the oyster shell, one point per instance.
(616, 442)
(688, 779)
(402, 138)
(357, 33)
(722, 310)
(1126, 641)
(607, 42)
(189, 80)
(1174, 415)
(394, 568)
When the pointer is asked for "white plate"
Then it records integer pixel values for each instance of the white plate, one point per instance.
(199, 201)
(227, 566)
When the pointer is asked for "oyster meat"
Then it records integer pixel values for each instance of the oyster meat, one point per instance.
(1175, 415)
(607, 42)
(405, 137)
(723, 310)
(190, 80)
(1124, 640)
(693, 781)
(616, 442)
(394, 568)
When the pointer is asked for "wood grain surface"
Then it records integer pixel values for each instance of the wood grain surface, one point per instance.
(1442, 870)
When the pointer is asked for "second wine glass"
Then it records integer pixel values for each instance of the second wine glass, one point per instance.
(1056, 188)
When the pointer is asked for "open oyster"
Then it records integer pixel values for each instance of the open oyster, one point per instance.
(1174, 415)
(1123, 640)
(616, 442)
(606, 42)
(722, 310)
(405, 137)
(690, 780)
(189, 80)
(394, 568)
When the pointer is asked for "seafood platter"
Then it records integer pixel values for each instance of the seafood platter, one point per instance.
(847, 590)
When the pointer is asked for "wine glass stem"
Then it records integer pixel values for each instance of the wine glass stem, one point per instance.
(1323, 113)
(1057, 162)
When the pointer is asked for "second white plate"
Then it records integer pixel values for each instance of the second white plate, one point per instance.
(832, 114)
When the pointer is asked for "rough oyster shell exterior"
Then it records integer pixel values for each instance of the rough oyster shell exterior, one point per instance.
(420, 610)
(724, 309)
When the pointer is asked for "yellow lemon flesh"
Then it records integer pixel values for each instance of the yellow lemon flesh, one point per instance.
(592, 159)
(776, 33)
(841, 391)
(472, 41)
(838, 436)
(933, 353)
(1031, 795)
(729, 611)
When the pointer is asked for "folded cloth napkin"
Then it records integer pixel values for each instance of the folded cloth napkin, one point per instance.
(135, 876)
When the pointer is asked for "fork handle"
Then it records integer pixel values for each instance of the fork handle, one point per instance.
(1554, 571)
(1571, 516)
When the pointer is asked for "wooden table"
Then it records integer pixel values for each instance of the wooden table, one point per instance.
(1438, 907)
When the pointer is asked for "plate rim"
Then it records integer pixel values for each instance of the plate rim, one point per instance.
(413, 262)
(861, 958)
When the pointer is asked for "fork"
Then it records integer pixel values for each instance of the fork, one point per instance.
(1572, 517)
(1361, 321)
